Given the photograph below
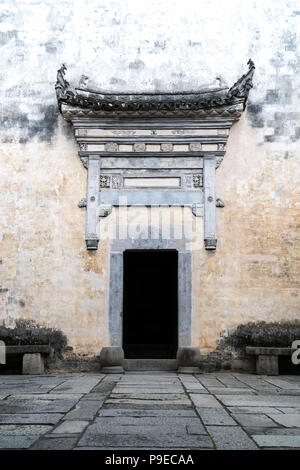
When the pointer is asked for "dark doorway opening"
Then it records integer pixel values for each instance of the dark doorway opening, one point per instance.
(150, 305)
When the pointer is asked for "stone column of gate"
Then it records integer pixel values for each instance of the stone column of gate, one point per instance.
(91, 236)
(209, 185)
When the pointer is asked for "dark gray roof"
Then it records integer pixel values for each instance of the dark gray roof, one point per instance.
(149, 104)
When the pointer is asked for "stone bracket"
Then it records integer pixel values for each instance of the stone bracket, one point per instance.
(104, 210)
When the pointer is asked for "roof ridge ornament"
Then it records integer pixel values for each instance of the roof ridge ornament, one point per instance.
(242, 87)
(62, 86)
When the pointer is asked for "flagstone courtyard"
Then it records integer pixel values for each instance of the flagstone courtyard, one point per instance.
(149, 411)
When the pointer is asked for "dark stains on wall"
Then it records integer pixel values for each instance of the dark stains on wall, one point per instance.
(6, 36)
(289, 40)
(117, 81)
(43, 128)
(254, 113)
(136, 65)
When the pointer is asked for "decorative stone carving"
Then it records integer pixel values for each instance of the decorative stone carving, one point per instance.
(104, 211)
(242, 87)
(220, 203)
(82, 202)
(111, 147)
(218, 161)
(197, 181)
(104, 181)
(91, 241)
(197, 210)
(116, 181)
(84, 161)
(195, 147)
(187, 181)
(140, 147)
(170, 136)
(210, 243)
(166, 147)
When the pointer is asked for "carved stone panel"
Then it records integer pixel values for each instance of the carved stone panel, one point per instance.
(160, 149)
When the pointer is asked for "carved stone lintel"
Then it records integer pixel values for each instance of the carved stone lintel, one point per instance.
(210, 243)
(220, 203)
(82, 202)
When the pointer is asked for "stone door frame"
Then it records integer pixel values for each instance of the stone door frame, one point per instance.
(116, 287)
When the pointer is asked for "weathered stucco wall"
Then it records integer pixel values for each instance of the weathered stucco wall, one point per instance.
(46, 273)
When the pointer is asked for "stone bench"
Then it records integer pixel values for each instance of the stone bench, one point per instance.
(33, 357)
(267, 358)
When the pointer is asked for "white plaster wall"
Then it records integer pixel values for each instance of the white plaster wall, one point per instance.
(46, 274)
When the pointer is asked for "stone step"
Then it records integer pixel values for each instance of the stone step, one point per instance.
(150, 364)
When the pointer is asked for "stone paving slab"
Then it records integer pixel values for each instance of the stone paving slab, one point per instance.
(289, 410)
(145, 405)
(17, 442)
(149, 411)
(148, 401)
(277, 441)
(57, 443)
(35, 406)
(196, 429)
(276, 431)
(84, 410)
(231, 438)
(147, 390)
(206, 401)
(92, 439)
(248, 420)
(231, 391)
(79, 385)
(254, 409)
(71, 427)
(46, 396)
(169, 421)
(23, 429)
(29, 418)
(216, 416)
(259, 400)
(288, 420)
(101, 428)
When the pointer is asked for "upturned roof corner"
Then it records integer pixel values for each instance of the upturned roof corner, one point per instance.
(82, 102)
